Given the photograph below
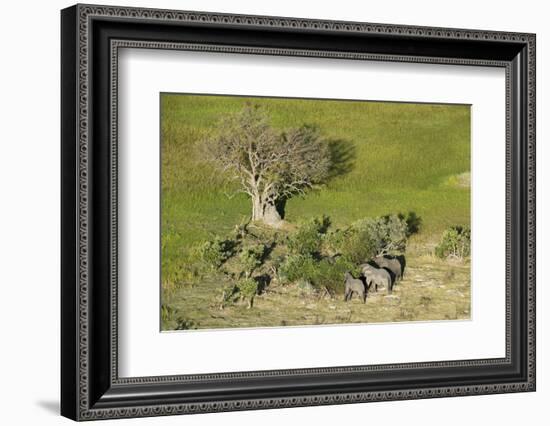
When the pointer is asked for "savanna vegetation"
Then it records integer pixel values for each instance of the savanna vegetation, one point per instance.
(267, 203)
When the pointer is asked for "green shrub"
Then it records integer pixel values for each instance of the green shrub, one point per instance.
(229, 293)
(356, 243)
(297, 267)
(248, 287)
(362, 241)
(369, 237)
(216, 251)
(334, 241)
(330, 274)
(308, 238)
(324, 273)
(455, 243)
(396, 231)
(251, 257)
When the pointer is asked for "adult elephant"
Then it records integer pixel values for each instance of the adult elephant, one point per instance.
(378, 277)
(403, 262)
(392, 263)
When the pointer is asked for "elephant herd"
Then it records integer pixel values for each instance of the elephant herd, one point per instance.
(382, 271)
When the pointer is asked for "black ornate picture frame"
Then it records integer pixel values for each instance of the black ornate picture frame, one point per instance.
(91, 387)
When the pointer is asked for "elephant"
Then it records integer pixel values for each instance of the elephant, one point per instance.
(354, 285)
(391, 263)
(403, 262)
(378, 277)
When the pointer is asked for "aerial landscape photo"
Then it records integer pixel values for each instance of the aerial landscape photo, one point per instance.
(280, 212)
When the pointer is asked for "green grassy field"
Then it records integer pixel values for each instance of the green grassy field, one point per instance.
(407, 157)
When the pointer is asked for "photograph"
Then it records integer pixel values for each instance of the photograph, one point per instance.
(280, 212)
(265, 208)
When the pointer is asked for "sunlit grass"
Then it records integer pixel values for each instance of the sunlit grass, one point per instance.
(408, 157)
(404, 155)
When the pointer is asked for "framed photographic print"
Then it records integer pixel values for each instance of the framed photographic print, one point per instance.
(263, 212)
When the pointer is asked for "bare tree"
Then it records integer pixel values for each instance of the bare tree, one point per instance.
(270, 166)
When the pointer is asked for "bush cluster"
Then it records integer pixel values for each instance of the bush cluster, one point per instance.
(369, 237)
(320, 257)
(216, 251)
(330, 273)
(251, 257)
(308, 238)
(312, 255)
(248, 287)
(455, 243)
(326, 272)
(297, 267)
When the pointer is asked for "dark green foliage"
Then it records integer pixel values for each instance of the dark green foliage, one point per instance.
(354, 244)
(216, 251)
(321, 257)
(324, 273)
(330, 274)
(308, 238)
(244, 289)
(248, 287)
(297, 267)
(394, 230)
(455, 243)
(310, 254)
(369, 237)
(414, 222)
(251, 257)
(229, 294)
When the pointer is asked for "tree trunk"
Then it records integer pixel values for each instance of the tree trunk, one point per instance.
(256, 208)
(265, 212)
(271, 216)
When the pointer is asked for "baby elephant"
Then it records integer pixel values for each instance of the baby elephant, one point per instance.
(354, 285)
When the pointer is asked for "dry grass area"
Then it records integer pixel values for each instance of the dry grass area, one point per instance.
(432, 289)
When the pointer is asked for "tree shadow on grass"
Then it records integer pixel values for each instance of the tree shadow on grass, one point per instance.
(343, 154)
(414, 222)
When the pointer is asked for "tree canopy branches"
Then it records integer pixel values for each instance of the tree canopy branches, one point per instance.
(269, 165)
